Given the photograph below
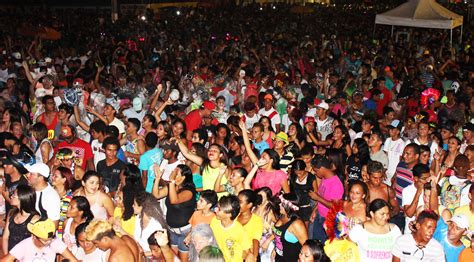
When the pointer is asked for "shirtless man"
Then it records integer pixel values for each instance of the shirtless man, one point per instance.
(378, 189)
(121, 248)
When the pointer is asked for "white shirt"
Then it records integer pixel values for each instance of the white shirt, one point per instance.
(406, 249)
(433, 147)
(97, 151)
(50, 201)
(250, 121)
(141, 235)
(374, 247)
(408, 194)
(394, 150)
(324, 126)
(275, 119)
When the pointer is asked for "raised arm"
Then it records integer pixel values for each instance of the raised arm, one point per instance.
(77, 116)
(248, 146)
(158, 192)
(186, 153)
(249, 177)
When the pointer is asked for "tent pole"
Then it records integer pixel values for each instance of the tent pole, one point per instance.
(451, 38)
(460, 40)
(391, 35)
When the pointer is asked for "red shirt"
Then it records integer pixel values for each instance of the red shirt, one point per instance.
(387, 98)
(81, 149)
(193, 120)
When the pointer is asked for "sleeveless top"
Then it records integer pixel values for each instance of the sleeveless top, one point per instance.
(209, 177)
(98, 211)
(178, 215)
(286, 251)
(18, 232)
(51, 126)
(38, 156)
(68, 238)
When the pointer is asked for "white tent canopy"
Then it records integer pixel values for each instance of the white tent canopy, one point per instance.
(420, 13)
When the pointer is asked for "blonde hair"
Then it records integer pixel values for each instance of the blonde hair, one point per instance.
(98, 229)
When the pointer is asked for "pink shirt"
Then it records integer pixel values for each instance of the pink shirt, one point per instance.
(27, 251)
(272, 179)
(330, 189)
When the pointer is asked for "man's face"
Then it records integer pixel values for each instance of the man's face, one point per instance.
(409, 155)
(445, 134)
(111, 151)
(455, 232)
(423, 129)
(101, 244)
(50, 105)
(376, 178)
(426, 229)
(267, 104)
(422, 179)
(374, 140)
(195, 138)
(34, 178)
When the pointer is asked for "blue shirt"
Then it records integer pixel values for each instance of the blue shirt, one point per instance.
(441, 235)
(261, 146)
(147, 160)
(121, 155)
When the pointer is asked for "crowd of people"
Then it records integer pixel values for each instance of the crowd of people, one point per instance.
(234, 134)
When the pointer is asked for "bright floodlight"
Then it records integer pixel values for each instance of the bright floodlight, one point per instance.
(274, 7)
(143, 18)
(261, 8)
(178, 12)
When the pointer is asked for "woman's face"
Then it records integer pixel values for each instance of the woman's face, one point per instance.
(305, 255)
(91, 185)
(310, 126)
(381, 216)
(356, 194)
(390, 116)
(221, 133)
(178, 129)
(425, 157)
(235, 178)
(14, 199)
(292, 130)
(355, 149)
(244, 205)
(137, 209)
(72, 210)
(265, 123)
(234, 146)
(366, 126)
(62, 114)
(337, 134)
(88, 246)
(57, 178)
(146, 123)
(67, 162)
(213, 153)
(266, 159)
(160, 131)
(453, 145)
(300, 173)
(6, 116)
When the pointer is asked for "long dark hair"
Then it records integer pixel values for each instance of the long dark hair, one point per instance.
(80, 229)
(317, 250)
(83, 205)
(275, 157)
(132, 187)
(376, 205)
(188, 182)
(27, 198)
(227, 137)
(363, 153)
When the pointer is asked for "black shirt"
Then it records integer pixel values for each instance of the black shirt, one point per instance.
(110, 174)
(11, 186)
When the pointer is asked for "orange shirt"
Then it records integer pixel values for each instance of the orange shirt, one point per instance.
(198, 218)
(466, 255)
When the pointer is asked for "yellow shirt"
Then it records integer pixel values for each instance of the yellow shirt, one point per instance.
(232, 241)
(342, 251)
(254, 227)
(209, 177)
(465, 210)
(127, 225)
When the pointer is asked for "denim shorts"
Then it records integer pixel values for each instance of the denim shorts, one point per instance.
(177, 236)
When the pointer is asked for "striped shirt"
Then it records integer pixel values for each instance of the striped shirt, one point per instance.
(404, 178)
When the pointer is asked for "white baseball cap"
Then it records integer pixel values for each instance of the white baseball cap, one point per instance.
(323, 105)
(461, 221)
(40, 168)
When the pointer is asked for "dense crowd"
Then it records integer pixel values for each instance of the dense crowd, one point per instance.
(257, 133)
